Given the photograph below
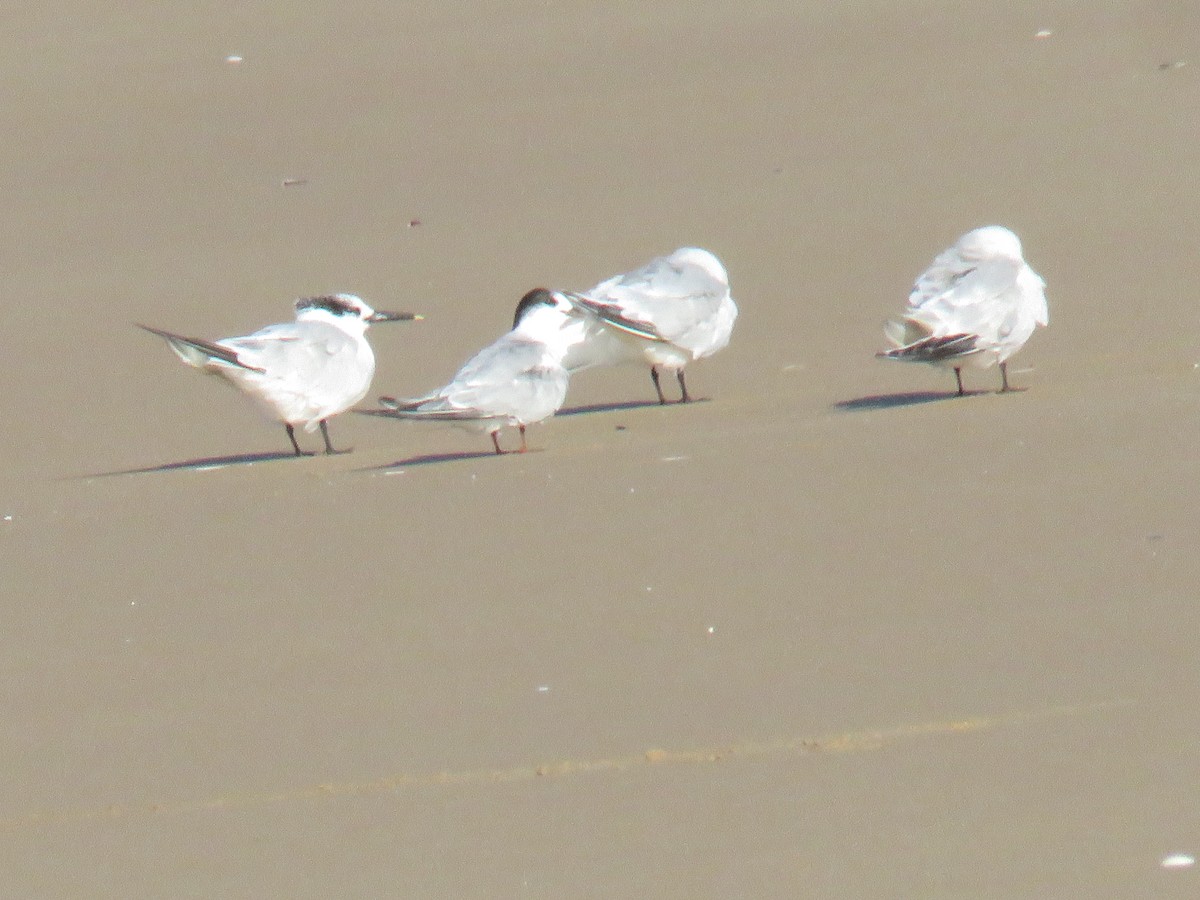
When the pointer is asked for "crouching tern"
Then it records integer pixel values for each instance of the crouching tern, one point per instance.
(298, 373)
(671, 311)
(976, 305)
(517, 381)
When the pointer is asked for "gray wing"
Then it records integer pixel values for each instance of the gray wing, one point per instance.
(678, 298)
(308, 369)
(510, 378)
(956, 297)
(307, 353)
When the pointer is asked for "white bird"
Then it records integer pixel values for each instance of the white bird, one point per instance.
(516, 381)
(671, 311)
(298, 373)
(975, 306)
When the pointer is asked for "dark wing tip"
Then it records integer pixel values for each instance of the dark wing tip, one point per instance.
(934, 349)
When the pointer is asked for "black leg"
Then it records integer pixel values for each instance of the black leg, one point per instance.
(325, 434)
(496, 443)
(657, 386)
(292, 435)
(1004, 378)
(524, 446)
(683, 387)
(958, 378)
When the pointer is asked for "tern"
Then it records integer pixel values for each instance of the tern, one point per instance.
(671, 311)
(976, 305)
(300, 373)
(516, 381)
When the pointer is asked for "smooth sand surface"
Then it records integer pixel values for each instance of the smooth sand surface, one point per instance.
(831, 633)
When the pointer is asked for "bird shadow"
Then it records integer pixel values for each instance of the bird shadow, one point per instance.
(590, 408)
(430, 459)
(199, 465)
(891, 401)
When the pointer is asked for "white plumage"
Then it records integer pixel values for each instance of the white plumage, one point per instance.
(671, 311)
(976, 305)
(298, 373)
(516, 381)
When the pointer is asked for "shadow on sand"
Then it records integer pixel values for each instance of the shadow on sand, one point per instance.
(890, 401)
(199, 465)
(429, 459)
(619, 407)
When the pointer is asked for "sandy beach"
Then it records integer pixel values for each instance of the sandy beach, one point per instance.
(831, 632)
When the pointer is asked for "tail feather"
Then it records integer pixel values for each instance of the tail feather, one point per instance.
(934, 349)
(199, 353)
(409, 409)
(436, 415)
(391, 404)
(902, 332)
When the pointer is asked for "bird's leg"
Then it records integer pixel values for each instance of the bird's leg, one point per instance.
(292, 435)
(958, 378)
(657, 386)
(1005, 387)
(329, 451)
(524, 446)
(683, 387)
(496, 442)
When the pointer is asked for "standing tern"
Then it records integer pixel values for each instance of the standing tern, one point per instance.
(671, 311)
(516, 381)
(298, 373)
(976, 305)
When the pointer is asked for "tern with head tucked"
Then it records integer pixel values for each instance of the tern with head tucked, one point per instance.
(517, 381)
(298, 373)
(976, 305)
(671, 311)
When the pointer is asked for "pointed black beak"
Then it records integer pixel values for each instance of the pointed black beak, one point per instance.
(384, 316)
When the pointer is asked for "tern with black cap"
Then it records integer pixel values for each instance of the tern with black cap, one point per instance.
(516, 381)
(299, 373)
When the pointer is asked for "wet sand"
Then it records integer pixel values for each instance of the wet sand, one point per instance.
(832, 633)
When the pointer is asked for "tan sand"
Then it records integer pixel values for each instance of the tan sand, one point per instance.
(791, 642)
